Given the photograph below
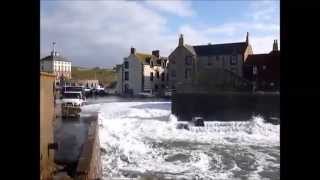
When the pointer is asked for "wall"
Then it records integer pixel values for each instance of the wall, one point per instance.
(150, 85)
(178, 55)
(119, 79)
(135, 74)
(46, 124)
(46, 66)
(89, 165)
(221, 61)
(62, 67)
(225, 106)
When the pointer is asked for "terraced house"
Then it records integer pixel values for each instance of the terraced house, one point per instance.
(141, 72)
(187, 61)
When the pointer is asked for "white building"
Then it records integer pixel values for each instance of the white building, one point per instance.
(54, 63)
(142, 72)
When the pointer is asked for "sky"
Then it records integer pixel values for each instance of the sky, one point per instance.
(100, 33)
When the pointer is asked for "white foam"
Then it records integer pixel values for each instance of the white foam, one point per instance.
(128, 130)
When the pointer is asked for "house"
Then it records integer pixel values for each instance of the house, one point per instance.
(141, 72)
(56, 64)
(263, 70)
(186, 62)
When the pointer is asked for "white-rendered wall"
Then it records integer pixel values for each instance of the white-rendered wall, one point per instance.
(135, 74)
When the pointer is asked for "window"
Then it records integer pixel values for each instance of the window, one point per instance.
(233, 60)
(126, 88)
(157, 75)
(156, 87)
(187, 73)
(162, 76)
(126, 64)
(126, 76)
(254, 70)
(173, 73)
(151, 64)
(172, 60)
(159, 62)
(264, 67)
(188, 60)
(151, 76)
(148, 60)
(234, 70)
(209, 61)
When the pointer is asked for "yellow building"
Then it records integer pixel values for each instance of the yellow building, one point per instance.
(46, 125)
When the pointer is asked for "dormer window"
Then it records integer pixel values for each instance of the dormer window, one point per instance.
(148, 60)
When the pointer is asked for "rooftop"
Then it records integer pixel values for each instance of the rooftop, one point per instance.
(55, 58)
(218, 49)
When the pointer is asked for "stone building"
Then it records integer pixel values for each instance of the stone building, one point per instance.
(119, 79)
(141, 72)
(263, 70)
(47, 145)
(187, 61)
(56, 64)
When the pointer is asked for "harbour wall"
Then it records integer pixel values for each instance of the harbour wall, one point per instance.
(89, 165)
(226, 106)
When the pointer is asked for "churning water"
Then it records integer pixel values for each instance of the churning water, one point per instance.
(141, 139)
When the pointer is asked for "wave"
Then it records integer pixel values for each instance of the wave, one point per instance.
(141, 139)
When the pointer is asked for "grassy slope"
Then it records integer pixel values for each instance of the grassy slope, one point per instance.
(105, 76)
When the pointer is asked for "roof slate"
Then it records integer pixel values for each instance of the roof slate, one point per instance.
(263, 58)
(219, 49)
(55, 58)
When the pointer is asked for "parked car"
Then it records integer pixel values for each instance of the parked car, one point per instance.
(73, 98)
(145, 94)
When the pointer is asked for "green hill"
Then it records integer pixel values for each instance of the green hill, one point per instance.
(105, 76)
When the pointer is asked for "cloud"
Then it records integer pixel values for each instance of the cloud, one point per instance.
(266, 10)
(176, 7)
(101, 32)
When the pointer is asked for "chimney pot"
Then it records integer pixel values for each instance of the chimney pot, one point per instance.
(133, 50)
(156, 53)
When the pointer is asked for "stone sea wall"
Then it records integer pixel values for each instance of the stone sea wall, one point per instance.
(89, 165)
(226, 106)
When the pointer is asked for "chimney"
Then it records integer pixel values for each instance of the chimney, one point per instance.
(133, 50)
(181, 40)
(156, 53)
(275, 45)
(247, 38)
(53, 52)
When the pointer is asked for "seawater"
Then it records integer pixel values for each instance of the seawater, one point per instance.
(141, 139)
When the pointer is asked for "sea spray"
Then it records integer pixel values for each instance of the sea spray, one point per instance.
(141, 138)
